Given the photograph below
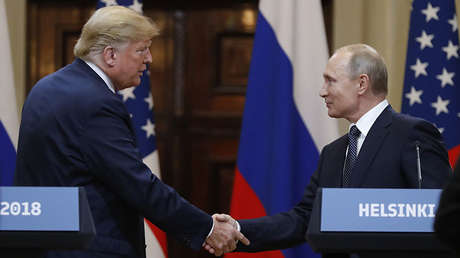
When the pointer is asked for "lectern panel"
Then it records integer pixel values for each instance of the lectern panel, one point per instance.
(359, 241)
(44, 218)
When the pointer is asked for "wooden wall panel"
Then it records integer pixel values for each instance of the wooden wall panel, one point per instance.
(211, 102)
(52, 28)
(215, 34)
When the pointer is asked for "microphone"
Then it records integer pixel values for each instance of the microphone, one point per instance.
(419, 169)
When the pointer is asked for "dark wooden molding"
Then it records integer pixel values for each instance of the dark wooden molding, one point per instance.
(64, 37)
(232, 61)
(222, 175)
(179, 61)
(196, 4)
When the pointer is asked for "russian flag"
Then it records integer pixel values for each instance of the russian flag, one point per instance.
(285, 122)
(9, 122)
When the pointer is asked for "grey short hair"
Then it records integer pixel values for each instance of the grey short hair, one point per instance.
(113, 26)
(366, 60)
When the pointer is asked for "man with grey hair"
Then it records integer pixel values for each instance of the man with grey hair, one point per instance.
(379, 151)
(75, 131)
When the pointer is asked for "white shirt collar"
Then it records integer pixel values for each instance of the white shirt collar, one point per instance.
(101, 74)
(365, 123)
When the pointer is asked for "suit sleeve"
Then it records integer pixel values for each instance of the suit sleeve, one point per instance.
(109, 149)
(434, 159)
(447, 222)
(282, 230)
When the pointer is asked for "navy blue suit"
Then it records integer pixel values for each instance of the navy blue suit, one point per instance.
(387, 159)
(76, 132)
(447, 222)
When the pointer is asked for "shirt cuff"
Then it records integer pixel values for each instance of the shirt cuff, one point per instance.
(210, 232)
(238, 227)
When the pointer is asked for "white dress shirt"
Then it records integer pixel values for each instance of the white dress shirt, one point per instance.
(101, 74)
(365, 123)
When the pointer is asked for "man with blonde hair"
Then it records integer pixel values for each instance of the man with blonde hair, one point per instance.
(75, 131)
(378, 152)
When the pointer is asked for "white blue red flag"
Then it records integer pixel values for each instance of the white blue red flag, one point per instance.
(139, 102)
(9, 122)
(285, 122)
(432, 83)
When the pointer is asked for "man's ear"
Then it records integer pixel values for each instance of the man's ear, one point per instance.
(110, 56)
(364, 83)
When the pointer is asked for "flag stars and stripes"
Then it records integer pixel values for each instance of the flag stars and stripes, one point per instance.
(141, 98)
(446, 78)
(136, 6)
(149, 128)
(127, 93)
(425, 40)
(109, 2)
(430, 12)
(419, 68)
(439, 84)
(149, 101)
(451, 50)
(440, 105)
(454, 23)
(441, 130)
(414, 96)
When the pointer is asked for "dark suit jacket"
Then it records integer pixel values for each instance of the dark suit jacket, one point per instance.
(447, 221)
(76, 132)
(387, 159)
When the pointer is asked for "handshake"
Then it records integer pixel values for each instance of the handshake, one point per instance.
(225, 235)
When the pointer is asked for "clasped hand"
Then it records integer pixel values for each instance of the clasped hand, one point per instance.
(224, 236)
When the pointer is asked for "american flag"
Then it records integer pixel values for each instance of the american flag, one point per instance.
(432, 83)
(139, 102)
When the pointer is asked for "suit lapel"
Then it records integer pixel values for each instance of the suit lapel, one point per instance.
(371, 146)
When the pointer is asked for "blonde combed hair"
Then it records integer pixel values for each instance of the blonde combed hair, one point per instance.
(113, 26)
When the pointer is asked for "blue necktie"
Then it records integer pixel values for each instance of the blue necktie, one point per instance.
(353, 136)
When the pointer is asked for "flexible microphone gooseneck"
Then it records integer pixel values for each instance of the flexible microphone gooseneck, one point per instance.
(419, 168)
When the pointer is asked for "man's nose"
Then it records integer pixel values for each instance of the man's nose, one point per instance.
(148, 57)
(323, 91)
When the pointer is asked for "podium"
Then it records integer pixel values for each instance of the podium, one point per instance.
(346, 220)
(44, 218)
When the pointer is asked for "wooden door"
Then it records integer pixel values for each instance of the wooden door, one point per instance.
(200, 98)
